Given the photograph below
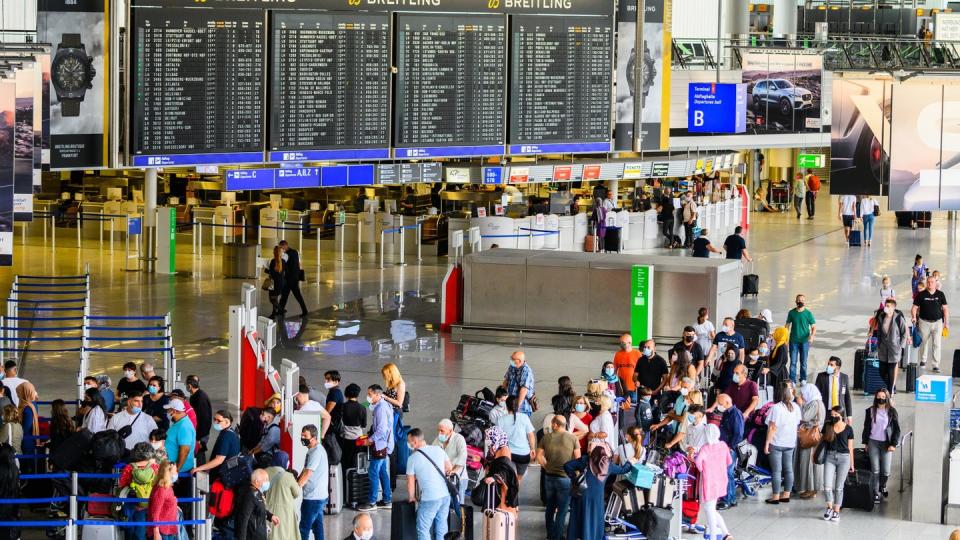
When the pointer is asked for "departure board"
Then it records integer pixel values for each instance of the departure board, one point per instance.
(330, 85)
(197, 85)
(560, 89)
(451, 85)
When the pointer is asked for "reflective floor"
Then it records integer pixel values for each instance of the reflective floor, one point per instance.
(362, 316)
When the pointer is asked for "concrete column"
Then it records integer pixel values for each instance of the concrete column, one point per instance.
(614, 185)
(150, 219)
(931, 437)
(736, 19)
(784, 19)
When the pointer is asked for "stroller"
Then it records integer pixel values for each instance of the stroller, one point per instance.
(749, 476)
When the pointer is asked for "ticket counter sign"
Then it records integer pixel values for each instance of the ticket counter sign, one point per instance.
(519, 175)
(134, 225)
(641, 302)
(591, 172)
(562, 174)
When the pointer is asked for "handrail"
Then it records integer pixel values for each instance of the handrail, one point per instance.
(903, 440)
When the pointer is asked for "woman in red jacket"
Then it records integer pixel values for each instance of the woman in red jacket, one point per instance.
(163, 505)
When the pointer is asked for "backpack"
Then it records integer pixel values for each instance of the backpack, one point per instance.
(220, 500)
(675, 464)
(756, 424)
(236, 470)
(332, 446)
(813, 183)
(108, 446)
(141, 482)
(251, 428)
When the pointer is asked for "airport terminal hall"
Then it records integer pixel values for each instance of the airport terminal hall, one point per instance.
(479, 269)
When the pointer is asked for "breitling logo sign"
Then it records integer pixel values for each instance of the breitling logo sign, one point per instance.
(564, 7)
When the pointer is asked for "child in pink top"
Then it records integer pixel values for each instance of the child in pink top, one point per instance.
(712, 461)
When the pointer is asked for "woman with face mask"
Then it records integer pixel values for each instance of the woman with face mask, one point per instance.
(781, 443)
(755, 364)
(881, 435)
(581, 411)
(892, 337)
(779, 361)
(95, 420)
(838, 462)
(227, 445)
(615, 386)
(155, 400)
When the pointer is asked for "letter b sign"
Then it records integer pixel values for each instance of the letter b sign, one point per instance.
(698, 118)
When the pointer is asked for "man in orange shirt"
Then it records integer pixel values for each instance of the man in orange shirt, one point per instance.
(626, 363)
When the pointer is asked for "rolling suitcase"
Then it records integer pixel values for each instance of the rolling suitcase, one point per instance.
(460, 525)
(403, 521)
(653, 522)
(611, 240)
(856, 491)
(872, 382)
(858, 359)
(497, 524)
(358, 483)
(855, 238)
(632, 498)
(662, 492)
(751, 284)
(590, 243)
(98, 532)
(910, 374)
(335, 499)
(956, 363)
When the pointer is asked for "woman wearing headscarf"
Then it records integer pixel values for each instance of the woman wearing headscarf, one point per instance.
(779, 361)
(30, 420)
(281, 500)
(501, 473)
(808, 475)
(712, 461)
(586, 506)
(9, 489)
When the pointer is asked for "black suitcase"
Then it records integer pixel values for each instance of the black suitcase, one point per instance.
(751, 285)
(358, 483)
(956, 363)
(611, 240)
(856, 491)
(910, 385)
(653, 522)
(861, 459)
(460, 525)
(72, 450)
(858, 359)
(403, 521)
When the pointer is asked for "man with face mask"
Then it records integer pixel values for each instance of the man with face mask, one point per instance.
(652, 369)
(834, 386)
(381, 443)
(426, 469)
(743, 393)
(314, 479)
(455, 447)
(689, 343)
(181, 437)
(130, 384)
(362, 527)
(251, 514)
(892, 336)
(803, 329)
(133, 422)
(727, 337)
(519, 382)
(270, 436)
(625, 361)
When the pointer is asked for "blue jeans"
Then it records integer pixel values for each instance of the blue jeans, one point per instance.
(801, 350)
(134, 533)
(433, 514)
(781, 468)
(311, 519)
(379, 475)
(868, 227)
(558, 502)
(732, 479)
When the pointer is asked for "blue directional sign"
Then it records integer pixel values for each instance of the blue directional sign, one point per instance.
(717, 108)
(492, 175)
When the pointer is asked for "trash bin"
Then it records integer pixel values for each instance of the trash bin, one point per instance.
(239, 260)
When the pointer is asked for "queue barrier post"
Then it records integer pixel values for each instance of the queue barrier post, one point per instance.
(199, 234)
(53, 232)
(343, 235)
(79, 227)
(359, 239)
(382, 236)
(318, 253)
(419, 242)
(402, 245)
(243, 232)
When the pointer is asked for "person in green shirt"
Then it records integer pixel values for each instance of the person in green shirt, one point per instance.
(803, 328)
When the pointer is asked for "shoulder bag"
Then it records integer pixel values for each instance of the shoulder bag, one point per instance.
(531, 396)
(127, 430)
(808, 436)
(452, 481)
(820, 454)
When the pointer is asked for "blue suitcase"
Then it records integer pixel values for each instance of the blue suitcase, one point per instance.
(855, 238)
(872, 382)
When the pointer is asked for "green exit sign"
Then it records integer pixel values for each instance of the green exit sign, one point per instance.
(811, 161)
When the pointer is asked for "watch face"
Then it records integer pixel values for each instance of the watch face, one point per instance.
(70, 72)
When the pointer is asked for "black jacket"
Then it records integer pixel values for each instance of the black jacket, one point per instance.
(251, 515)
(291, 269)
(200, 402)
(823, 384)
(893, 426)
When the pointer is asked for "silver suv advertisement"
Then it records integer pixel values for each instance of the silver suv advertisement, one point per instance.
(783, 91)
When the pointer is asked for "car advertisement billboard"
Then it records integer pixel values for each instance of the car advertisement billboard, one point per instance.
(860, 136)
(925, 143)
(783, 91)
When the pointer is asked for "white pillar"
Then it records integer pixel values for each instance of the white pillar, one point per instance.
(736, 17)
(150, 218)
(784, 19)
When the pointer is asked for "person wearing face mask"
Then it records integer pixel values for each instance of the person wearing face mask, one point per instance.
(689, 344)
(892, 338)
(181, 437)
(381, 443)
(803, 330)
(615, 386)
(652, 369)
(130, 384)
(731, 428)
(227, 444)
(730, 361)
(163, 505)
(269, 438)
(581, 411)
(755, 363)
(95, 419)
(427, 468)
(250, 511)
(881, 435)
(625, 362)
(200, 402)
(155, 402)
(158, 441)
(725, 339)
(314, 479)
(133, 421)
(501, 405)
(809, 475)
(331, 381)
(645, 414)
(362, 527)
(696, 433)
(519, 382)
(281, 500)
(743, 392)
(834, 386)
(455, 446)
(837, 439)
(781, 443)
(303, 402)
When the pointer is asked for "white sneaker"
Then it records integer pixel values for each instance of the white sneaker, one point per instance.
(827, 514)
(834, 516)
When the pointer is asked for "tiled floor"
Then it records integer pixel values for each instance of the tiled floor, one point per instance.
(355, 304)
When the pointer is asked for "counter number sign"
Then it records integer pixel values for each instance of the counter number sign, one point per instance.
(641, 302)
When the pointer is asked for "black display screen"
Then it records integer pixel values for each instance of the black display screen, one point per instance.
(451, 81)
(197, 83)
(561, 79)
(330, 80)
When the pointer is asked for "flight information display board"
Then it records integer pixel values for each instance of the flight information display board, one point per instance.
(330, 86)
(197, 81)
(561, 84)
(451, 84)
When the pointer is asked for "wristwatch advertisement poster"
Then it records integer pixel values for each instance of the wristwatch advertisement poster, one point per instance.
(626, 73)
(78, 31)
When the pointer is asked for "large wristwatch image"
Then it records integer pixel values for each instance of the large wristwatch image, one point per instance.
(71, 72)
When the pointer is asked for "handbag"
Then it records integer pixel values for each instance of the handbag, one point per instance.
(820, 454)
(267, 284)
(452, 481)
(531, 397)
(127, 430)
(808, 436)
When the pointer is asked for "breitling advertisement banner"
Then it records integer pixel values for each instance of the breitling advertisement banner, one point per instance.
(654, 80)
(79, 102)
(8, 115)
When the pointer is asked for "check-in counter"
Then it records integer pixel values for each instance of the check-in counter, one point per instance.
(517, 289)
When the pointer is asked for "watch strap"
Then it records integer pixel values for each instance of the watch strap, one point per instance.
(71, 40)
(70, 107)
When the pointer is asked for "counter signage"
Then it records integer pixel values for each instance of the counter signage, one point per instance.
(388, 174)
(519, 175)
(660, 169)
(641, 302)
(492, 175)
(717, 108)
(134, 225)
(498, 209)
(562, 174)
(708, 166)
(591, 172)
(333, 176)
(632, 171)
(481, 212)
